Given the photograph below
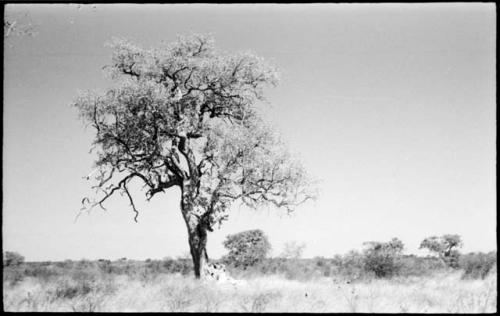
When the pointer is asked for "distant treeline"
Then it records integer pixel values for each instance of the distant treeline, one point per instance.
(350, 267)
(356, 266)
(248, 256)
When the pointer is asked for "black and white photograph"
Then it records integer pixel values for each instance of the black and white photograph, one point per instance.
(249, 158)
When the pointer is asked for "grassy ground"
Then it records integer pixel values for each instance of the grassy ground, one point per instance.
(444, 292)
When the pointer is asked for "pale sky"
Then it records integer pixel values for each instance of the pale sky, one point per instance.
(392, 106)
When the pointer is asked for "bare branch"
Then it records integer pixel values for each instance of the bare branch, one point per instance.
(131, 202)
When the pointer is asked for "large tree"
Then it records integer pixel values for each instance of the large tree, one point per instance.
(185, 115)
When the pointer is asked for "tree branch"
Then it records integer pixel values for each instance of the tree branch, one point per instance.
(131, 202)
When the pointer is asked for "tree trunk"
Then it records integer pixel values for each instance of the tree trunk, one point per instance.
(197, 245)
(197, 232)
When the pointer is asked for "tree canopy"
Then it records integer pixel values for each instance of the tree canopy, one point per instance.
(185, 92)
(187, 115)
(446, 247)
(443, 246)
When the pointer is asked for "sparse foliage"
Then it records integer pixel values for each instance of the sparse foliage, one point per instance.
(246, 248)
(185, 115)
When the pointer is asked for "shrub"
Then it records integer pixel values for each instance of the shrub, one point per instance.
(478, 265)
(452, 259)
(300, 269)
(168, 265)
(69, 289)
(383, 259)
(350, 266)
(246, 248)
(85, 275)
(186, 266)
(105, 266)
(11, 258)
(84, 263)
(12, 276)
(412, 265)
(155, 267)
(41, 271)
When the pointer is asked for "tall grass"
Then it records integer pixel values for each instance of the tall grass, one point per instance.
(88, 287)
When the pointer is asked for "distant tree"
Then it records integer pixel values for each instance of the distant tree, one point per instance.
(186, 116)
(383, 258)
(293, 250)
(246, 248)
(11, 258)
(446, 247)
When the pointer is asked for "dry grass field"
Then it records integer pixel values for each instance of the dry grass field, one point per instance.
(442, 292)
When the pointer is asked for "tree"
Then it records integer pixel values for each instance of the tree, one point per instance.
(11, 258)
(382, 258)
(184, 115)
(246, 248)
(445, 247)
(293, 250)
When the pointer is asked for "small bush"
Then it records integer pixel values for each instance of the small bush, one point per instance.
(452, 259)
(83, 275)
(155, 266)
(383, 259)
(12, 276)
(478, 265)
(246, 248)
(105, 266)
(412, 265)
(84, 263)
(70, 289)
(182, 266)
(42, 271)
(11, 258)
